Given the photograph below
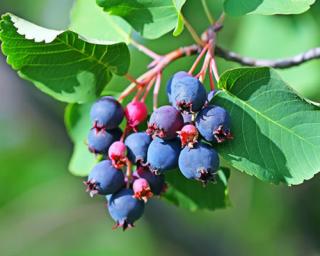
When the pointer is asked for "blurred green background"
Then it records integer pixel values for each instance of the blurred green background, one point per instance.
(44, 210)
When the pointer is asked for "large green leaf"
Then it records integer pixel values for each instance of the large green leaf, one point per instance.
(266, 7)
(60, 63)
(192, 195)
(89, 20)
(277, 134)
(151, 18)
(77, 122)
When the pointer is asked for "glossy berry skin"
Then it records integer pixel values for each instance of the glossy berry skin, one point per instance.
(136, 112)
(177, 75)
(165, 122)
(188, 94)
(99, 141)
(213, 123)
(163, 155)
(156, 182)
(141, 189)
(125, 209)
(104, 179)
(117, 154)
(106, 113)
(199, 163)
(189, 135)
(137, 145)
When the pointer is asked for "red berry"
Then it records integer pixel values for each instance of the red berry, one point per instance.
(189, 135)
(142, 190)
(136, 112)
(117, 154)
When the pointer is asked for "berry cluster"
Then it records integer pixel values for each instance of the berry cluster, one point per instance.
(178, 135)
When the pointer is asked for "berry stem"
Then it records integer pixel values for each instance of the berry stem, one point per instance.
(159, 65)
(211, 76)
(124, 134)
(214, 68)
(143, 99)
(195, 64)
(145, 50)
(131, 79)
(156, 91)
(203, 72)
(129, 173)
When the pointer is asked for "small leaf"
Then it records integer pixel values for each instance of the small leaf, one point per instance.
(89, 20)
(266, 7)
(77, 122)
(193, 196)
(151, 19)
(59, 63)
(276, 133)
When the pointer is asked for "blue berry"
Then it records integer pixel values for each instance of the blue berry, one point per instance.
(210, 95)
(188, 94)
(156, 182)
(137, 145)
(165, 122)
(214, 123)
(106, 113)
(177, 75)
(163, 155)
(99, 141)
(199, 163)
(104, 179)
(125, 209)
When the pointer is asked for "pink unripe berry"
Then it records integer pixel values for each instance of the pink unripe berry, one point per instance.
(117, 154)
(136, 112)
(141, 189)
(189, 135)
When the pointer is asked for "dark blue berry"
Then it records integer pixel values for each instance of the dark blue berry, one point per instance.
(213, 123)
(177, 75)
(106, 113)
(188, 94)
(163, 154)
(165, 122)
(99, 141)
(104, 179)
(137, 145)
(199, 163)
(156, 182)
(125, 209)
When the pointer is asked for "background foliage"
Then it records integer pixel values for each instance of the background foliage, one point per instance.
(42, 205)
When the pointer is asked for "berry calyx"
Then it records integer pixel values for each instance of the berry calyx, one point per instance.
(117, 154)
(141, 189)
(189, 135)
(136, 112)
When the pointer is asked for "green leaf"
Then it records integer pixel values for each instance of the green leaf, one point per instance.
(277, 134)
(151, 18)
(59, 63)
(89, 20)
(77, 122)
(266, 7)
(193, 196)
